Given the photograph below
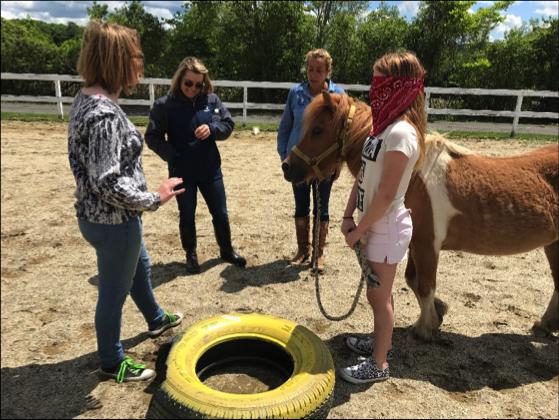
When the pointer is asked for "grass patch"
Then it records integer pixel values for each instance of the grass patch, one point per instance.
(16, 116)
(142, 121)
(486, 135)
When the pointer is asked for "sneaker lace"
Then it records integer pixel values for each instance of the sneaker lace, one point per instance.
(172, 318)
(129, 364)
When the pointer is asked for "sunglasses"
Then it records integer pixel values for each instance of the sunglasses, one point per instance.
(190, 83)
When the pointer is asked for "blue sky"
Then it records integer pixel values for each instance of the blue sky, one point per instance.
(75, 11)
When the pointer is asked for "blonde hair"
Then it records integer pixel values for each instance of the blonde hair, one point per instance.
(317, 54)
(194, 65)
(110, 56)
(406, 64)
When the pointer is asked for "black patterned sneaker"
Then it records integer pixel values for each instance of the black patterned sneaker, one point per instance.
(364, 372)
(364, 346)
(128, 370)
(169, 321)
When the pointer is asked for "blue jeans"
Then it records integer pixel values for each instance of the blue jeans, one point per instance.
(214, 196)
(302, 194)
(124, 267)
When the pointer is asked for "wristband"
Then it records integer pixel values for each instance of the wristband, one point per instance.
(347, 217)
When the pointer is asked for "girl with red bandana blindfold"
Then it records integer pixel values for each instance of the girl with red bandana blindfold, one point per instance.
(394, 148)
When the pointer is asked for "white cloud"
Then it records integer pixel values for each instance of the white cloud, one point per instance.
(76, 11)
(159, 12)
(18, 4)
(511, 21)
(547, 8)
(408, 8)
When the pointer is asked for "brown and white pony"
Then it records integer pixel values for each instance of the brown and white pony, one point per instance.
(459, 200)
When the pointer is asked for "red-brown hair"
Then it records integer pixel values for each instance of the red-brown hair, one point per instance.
(110, 56)
(406, 64)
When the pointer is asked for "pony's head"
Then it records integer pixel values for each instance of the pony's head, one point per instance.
(322, 146)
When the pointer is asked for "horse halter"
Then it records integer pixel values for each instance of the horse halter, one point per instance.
(340, 144)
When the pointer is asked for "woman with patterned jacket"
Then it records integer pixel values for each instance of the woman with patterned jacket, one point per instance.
(183, 128)
(104, 149)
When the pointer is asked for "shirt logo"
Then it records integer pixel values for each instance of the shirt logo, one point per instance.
(360, 198)
(371, 148)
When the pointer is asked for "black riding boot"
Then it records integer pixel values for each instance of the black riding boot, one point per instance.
(223, 236)
(188, 240)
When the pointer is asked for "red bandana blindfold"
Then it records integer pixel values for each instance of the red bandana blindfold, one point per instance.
(390, 97)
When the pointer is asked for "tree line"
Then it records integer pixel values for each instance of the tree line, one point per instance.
(267, 41)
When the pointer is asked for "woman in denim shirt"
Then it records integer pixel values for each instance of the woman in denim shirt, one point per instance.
(318, 68)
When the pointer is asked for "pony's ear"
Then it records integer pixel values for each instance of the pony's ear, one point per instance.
(327, 98)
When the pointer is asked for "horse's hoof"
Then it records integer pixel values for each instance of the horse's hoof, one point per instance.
(419, 334)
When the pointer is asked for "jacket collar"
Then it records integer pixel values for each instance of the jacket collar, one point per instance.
(306, 89)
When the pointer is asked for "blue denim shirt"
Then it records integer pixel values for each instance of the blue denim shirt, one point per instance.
(292, 119)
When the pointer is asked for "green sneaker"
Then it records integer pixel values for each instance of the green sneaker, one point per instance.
(169, 321)
(127, 371)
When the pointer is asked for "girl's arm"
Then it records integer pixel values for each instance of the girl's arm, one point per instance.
(348, 223)
(285, 127)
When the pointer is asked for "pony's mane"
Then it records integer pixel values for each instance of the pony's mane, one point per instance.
(436, 141)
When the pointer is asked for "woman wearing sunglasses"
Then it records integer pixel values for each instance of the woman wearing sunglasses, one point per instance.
(183, 128)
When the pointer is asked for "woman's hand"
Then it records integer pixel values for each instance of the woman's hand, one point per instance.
(348, 224)
(167, 189)
(352, 237)
(202, 132)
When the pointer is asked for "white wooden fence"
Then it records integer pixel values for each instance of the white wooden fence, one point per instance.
(515, 114)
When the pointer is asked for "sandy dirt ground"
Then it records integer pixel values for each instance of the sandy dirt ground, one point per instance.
(484, 363)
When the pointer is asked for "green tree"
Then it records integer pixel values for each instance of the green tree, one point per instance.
(69, 52)
(152, 33)
(325, 11)
(98, 12)
(342, 46)
(24, 35)
(445, 35)
(545, 64)
(195, 33)
(383, 30)
(264, 40)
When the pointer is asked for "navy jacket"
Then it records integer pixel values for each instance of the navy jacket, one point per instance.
(170, 133)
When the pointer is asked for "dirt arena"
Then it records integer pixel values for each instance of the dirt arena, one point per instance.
(483, 364)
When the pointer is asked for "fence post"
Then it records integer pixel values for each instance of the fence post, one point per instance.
(151, 95)
(427, 100)
(58, 92)
(517, 111)
(245, 100)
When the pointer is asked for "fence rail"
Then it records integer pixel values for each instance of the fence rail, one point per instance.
(515, 114)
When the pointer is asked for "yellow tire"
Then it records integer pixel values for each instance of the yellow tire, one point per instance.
(306, 393)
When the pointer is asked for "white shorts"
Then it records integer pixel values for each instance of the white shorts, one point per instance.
(388, 239)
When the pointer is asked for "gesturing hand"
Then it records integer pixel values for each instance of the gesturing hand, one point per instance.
(167, 189)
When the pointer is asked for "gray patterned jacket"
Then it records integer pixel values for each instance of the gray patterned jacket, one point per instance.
(104, 149)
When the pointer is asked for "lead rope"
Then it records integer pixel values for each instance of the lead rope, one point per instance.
(365, 269)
